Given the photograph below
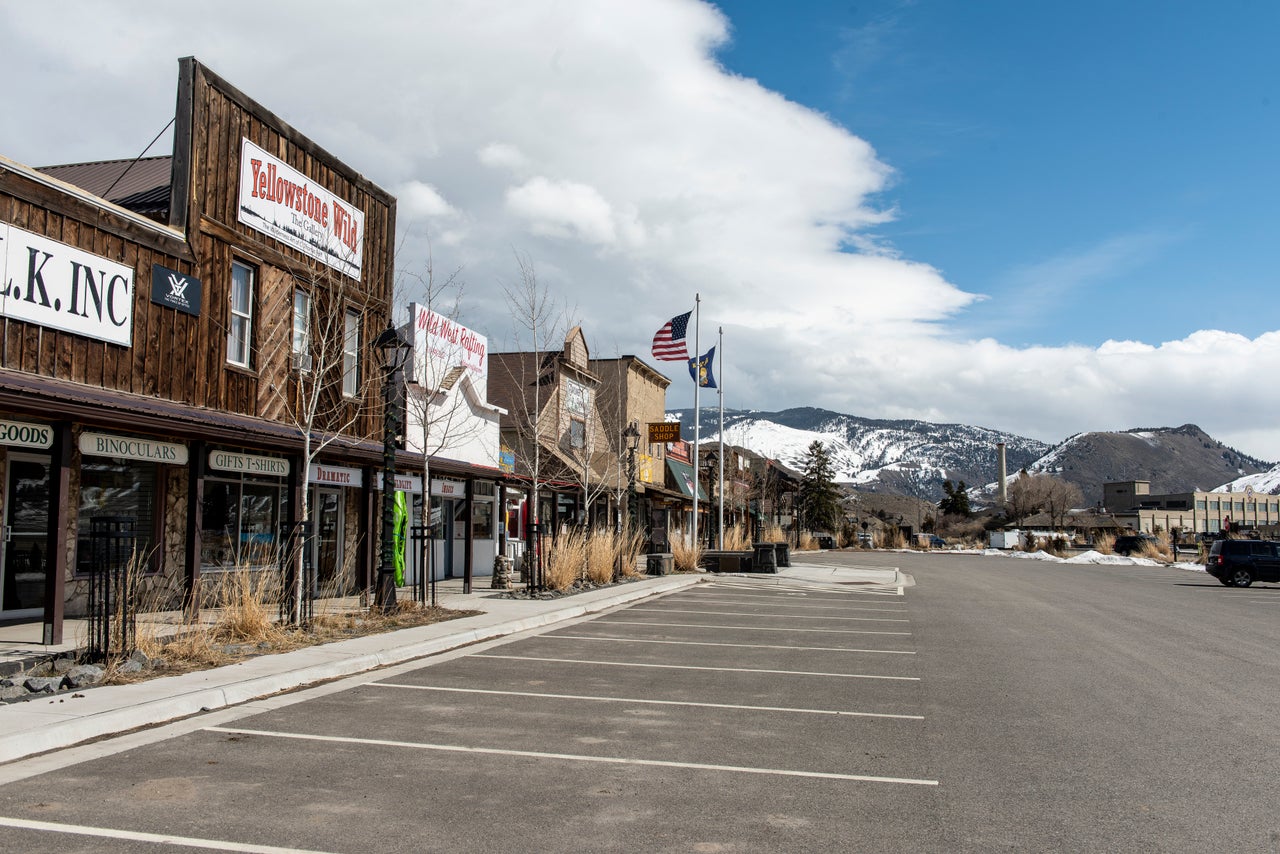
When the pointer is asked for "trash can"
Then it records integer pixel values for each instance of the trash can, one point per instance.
(765, 558)
(661, 563)
(826, 541)
(783, 553)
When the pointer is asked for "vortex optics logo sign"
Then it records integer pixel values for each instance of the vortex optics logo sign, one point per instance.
(175, 290)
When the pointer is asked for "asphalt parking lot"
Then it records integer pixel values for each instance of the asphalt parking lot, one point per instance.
(742, 714)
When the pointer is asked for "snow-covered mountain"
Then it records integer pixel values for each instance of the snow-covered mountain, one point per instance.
(1267, 481)
(915, 457)
(907, 457)
(1173, 459)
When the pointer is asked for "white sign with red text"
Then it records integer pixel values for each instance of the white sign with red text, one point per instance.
(441, 344)
(281, 202)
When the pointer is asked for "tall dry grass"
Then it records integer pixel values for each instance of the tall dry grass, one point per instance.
(808, 543)
(773, 534)
(566, 559)
(628, 544)
(890, 538)
(602, 556)
(1104, 543)
(688, 557)
(737, 538)
(1158, 550)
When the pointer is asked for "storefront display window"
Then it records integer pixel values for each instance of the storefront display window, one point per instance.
(127, 488)
(482, 520)
(240, 523)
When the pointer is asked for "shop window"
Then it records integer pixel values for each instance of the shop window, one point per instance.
(482, 520)
(128, 488)
(240, 522)
(240, 324)
(302, 330)
(351, 355)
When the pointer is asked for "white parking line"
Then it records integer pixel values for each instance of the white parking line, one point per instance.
(748, 628)
(808, 590)
(652, 702)
(697, 667)
(156, 838)
(574, 757)
(777, 616)
(733, 645)
(752, 600)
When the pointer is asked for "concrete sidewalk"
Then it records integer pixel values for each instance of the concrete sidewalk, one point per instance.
(57, 721)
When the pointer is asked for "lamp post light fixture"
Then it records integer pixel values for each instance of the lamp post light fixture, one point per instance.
(631, 436)
(394, 350)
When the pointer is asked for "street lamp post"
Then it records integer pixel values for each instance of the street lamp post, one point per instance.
(631, 435)
(394, 350)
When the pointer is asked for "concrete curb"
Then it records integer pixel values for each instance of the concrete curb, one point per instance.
(35, 726)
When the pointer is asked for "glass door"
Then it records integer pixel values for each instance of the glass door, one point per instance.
(23, 563)
(328, 560)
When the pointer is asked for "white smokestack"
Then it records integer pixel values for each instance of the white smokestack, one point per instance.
(1002, 491)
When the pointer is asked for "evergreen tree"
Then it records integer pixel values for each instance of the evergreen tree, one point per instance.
(957, 501)
(819, 496)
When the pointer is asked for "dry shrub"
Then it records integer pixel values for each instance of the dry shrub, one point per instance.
(890, 538)
(688, 558)
(602, 557)
(737, 538)
(1158, 550)
(773, 534)
(1104, 543)
(628, 545)
(247, 606)
(566, 559)
(808, 543)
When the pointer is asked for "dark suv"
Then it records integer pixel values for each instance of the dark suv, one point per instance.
(1239, 563)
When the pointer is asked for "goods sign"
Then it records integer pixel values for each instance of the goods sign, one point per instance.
(281, 202)
(662, 432)
(26, 435)
(57, 286)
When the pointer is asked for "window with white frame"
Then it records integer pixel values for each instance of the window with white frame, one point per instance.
(351, 355)
(302, 330)
(240, 327)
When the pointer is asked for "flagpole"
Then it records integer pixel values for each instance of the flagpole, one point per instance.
(720, 392)
(697, 352)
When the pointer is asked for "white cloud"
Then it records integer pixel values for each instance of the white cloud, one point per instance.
(602, 139)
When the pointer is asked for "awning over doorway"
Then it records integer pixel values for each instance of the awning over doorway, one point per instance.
(685, 479)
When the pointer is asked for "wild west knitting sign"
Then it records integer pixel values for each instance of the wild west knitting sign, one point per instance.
(57, 286)
(281, 202)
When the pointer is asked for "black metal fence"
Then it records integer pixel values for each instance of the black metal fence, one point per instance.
(113, 582)
(422, 564)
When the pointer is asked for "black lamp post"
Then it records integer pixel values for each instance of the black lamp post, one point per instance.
(394, 351)
(631, 435)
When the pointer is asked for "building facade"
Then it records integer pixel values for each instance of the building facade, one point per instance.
(190, 357)
(1198, 512)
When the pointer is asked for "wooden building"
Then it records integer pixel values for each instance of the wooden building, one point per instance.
(187, 345)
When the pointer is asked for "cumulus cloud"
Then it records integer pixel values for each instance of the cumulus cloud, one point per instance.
(602, 140)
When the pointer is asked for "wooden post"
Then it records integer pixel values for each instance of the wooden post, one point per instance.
(55, 586)
(196, 461)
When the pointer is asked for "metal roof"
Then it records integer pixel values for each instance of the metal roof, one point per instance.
(119, 181)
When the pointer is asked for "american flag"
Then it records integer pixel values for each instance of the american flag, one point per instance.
(668, 344)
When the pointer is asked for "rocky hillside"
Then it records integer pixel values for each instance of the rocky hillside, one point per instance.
(1174, 459)
(903, 457)
(914, 457)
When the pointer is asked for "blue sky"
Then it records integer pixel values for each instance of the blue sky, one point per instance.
(1097, 169)
(1040, 218)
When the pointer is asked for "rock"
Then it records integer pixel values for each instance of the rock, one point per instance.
(63, 666)
(43, 684)
(131, 666)
(83, 676)
(12, 681)
(140, 657)
(13, 692)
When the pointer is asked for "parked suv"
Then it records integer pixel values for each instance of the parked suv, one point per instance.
(1239, 563)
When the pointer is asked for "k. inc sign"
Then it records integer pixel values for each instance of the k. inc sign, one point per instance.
(58, 286)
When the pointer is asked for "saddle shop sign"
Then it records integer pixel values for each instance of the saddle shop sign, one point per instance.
(58, 286)
(282, 203)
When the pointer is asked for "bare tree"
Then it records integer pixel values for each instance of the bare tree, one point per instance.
(1042, 493)
(537, 321)
(314, 334)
